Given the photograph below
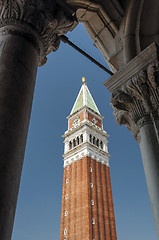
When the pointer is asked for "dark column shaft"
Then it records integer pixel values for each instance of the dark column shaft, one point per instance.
(18, 67)
(150, 155)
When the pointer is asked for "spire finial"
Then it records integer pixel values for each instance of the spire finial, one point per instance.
(83, 79)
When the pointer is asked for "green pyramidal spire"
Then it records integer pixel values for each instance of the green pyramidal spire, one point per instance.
(84, 98)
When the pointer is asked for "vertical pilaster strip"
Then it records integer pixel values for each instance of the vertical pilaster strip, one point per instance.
(84, 202)
(100, 201)
(91, 197)
(94, 197)
(66, 222)
(111, 208)
(75, 203)
(81, 198)
(72, 216)
(78, 200)
(105, 202)
(63, 206)
(88, 199)
(68, 176)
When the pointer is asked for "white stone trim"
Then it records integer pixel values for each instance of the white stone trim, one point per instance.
(93, 221)
(76, 100)
(87, 151)
(85, 123)
(92, 202)
(88, 110)
(91, 185)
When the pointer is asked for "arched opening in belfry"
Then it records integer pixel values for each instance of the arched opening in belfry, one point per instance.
(70, 145)
(81, 138)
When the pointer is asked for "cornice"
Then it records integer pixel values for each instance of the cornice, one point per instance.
(84, 145)
(88, 109)
(84, 150)
(136, 65)
(83, 124)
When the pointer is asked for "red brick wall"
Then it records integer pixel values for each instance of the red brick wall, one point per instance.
(91, 116)
(70, 122)
(78, 222)
(83, 116)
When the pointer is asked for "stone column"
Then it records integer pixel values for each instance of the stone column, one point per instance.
(29, 31)
(135, 100)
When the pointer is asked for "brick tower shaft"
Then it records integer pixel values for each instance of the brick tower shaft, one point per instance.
(87, 205)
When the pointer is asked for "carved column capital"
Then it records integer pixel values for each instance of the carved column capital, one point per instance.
(153, 74)
(45, 19)
(135, 91)
(137, 102)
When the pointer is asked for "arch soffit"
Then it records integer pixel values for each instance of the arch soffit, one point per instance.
(149, 23)
(101, 26)
(136, 26)
(141, 27)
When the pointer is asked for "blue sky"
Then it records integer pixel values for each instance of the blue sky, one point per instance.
(39, 203)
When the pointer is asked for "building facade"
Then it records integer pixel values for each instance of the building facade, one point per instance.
(87, 206)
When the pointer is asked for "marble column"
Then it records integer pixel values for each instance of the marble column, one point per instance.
(29, 31)
(135, 100)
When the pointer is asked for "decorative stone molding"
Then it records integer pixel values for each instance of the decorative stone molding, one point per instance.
(153, 74)
(135, 91)
(76, 122)
(46, 20)
(85, 123)
(94, 120)
(86, 152)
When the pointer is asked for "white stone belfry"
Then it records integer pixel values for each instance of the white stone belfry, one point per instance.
(85, 135)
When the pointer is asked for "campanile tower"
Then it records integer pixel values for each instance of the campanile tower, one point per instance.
(87, 206)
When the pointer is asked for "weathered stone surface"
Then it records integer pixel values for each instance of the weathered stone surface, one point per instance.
(18, 65)
(119, 29)
(46, 20)
(149, 146)
(135, 98)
